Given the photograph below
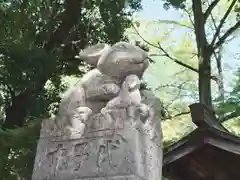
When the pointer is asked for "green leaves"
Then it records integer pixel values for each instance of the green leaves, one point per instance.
(34, 60)
(231, 106)
(21, 67)
(175, 3)
(113, 14)
(17, 151)
(27, 26)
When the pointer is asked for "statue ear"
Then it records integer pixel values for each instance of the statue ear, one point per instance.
(92, 54)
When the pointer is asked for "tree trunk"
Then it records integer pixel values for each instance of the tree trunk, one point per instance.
(204, 82)
(204, 55)
(16, 112)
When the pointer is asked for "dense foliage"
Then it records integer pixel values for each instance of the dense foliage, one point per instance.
(178, 55)
(211, 34)
(231, 106)
(38, 42)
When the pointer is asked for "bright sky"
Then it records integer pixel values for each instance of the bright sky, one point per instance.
(153, 10)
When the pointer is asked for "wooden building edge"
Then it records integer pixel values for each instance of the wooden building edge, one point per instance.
(210, 152)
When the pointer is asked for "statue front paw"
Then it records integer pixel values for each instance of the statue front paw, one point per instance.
(112, 90)
(105, 112)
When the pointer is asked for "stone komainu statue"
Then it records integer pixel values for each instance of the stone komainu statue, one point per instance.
(113, 64)
(124, 138)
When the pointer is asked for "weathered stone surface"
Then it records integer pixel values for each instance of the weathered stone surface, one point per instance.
(98, 86)
(117, 153)
(106, 128)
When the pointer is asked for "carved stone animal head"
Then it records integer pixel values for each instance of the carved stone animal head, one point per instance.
(119, 60)
(132, 82)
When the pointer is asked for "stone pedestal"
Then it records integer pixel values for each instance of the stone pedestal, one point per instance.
(103, 153)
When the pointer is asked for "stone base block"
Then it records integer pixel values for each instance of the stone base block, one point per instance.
(125, 153)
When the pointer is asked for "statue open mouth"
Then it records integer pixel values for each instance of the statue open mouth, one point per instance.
(139, 62)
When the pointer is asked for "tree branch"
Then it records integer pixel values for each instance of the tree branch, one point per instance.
(176, 115)
(176, 23)
(227, 34)
(166, 54)
(21, 102)
(189, 16)
(176, 60)
(173, 85)
(209, 9)
(70, 18)
(230, 116)
(219, 67)
(222, 21)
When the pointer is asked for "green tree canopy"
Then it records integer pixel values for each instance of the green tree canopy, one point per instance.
(38, 42)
